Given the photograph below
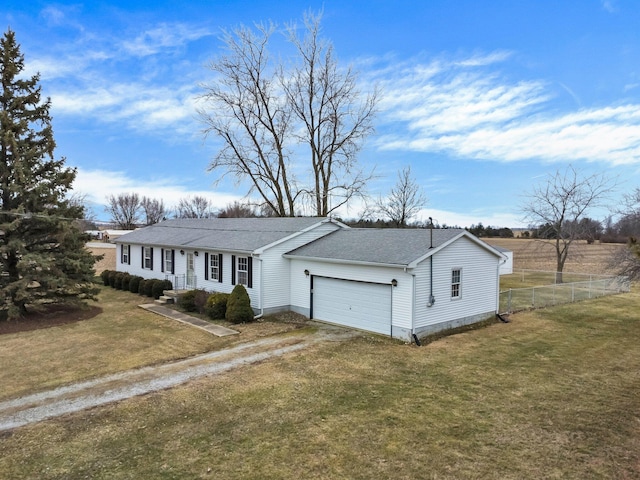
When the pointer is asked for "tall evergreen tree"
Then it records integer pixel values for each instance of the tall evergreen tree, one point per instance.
(42, 255)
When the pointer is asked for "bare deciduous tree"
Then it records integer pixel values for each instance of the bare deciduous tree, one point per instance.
(626, 260)
(154, 210)
(237, 210)
(561, 202)
(194, 207)
(405, 200)
(247, 111)
(262, 110)
(124, 209)
(335, 116)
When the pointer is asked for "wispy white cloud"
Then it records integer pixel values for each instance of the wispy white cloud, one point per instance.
(610, 6)
(472, 112)
(163, 36)
(141, 107)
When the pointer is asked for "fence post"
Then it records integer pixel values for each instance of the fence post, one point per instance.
(533, 297)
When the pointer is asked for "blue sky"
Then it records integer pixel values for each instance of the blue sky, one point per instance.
(481, 98)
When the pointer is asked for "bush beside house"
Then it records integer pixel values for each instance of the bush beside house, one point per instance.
(216, 307)
(239, 306)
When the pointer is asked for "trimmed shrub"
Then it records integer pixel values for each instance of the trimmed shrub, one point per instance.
(117, 283)
(201, 300)
(187, 301)
(159, 286)
(141, 286)
(148, 287)
(194, 300)
(239, 306)
(216, 307)
(134, 283)
(105, 277)
(112, 278)
(126, 278)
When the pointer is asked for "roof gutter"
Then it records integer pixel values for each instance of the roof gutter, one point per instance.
(343, 261)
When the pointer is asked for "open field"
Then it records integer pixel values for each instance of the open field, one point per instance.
(108, 261)
(553, 394)
(540, 255)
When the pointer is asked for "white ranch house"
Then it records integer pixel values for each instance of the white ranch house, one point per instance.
(396, 282)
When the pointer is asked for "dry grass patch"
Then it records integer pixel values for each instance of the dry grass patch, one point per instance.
(551, 395)
(119, 338)
(540, 255)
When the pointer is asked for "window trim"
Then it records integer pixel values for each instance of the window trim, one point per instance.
(125, 254)
(456, 286)
(245, 271)
(167, 259)
(147, 258)
(214, 271)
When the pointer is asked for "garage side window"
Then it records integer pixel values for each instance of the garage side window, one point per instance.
(456, 282)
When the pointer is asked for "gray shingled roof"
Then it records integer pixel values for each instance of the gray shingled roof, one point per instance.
(237, 234)
(372, 245)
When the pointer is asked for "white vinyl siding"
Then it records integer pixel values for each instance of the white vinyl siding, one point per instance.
(479, 276)
(276, 275)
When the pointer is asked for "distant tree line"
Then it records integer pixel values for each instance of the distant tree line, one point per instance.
(480, 230)
(129, 210)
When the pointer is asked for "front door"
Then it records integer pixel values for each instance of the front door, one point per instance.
(191, 271)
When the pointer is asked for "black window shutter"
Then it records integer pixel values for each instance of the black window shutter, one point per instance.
(206, 266)
(173, 261)
(249, 272)
(162, 259)
(142, 255)
(233, 269)
(121, 253)
(220, 267)
(151, 254)
(128, 254)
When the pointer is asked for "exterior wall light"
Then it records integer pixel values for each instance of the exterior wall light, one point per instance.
(195, 253)
(394, 283)
(306, 272)
(181, 252)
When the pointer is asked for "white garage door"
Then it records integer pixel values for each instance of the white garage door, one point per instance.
(366, 306)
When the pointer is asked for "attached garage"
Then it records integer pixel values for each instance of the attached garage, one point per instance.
(362, 305)
(404, 283)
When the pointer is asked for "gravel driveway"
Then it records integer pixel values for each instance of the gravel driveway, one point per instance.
(79, 396)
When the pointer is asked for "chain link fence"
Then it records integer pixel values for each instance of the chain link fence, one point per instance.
(581, 287)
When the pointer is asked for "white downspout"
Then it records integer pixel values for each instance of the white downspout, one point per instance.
(413, 305)
(261, 295)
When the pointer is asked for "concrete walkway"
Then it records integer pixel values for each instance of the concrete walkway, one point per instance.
(217, 330)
